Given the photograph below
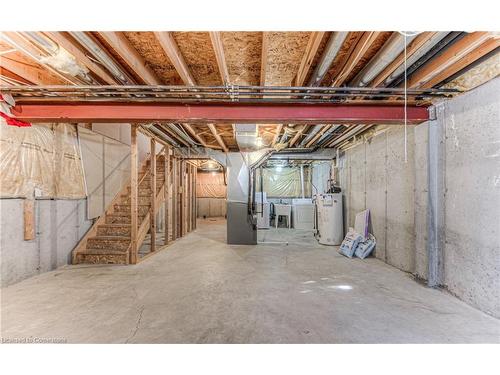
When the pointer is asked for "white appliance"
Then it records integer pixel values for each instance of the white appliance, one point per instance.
(263, 211)
(282, 210)
(330, 219)
(303, 213)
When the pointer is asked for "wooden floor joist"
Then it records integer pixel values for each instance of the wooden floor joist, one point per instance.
(448, 57)
(485, 48)
(171, 49)
(318, 135)
(361, 48)
(63, 40)
(120, 44)
(217, 136)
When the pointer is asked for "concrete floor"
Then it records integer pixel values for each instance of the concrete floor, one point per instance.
(201, 290)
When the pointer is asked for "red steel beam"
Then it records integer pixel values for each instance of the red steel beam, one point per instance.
(219, 113)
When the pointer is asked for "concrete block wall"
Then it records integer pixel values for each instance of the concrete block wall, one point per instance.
(60, 224)
(375, 175)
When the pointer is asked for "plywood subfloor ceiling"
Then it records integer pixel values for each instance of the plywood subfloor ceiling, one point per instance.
(240, 58)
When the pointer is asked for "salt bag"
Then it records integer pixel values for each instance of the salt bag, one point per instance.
(365, 247)
(351, 240)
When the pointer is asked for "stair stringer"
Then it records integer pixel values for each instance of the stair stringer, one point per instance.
(110, 209)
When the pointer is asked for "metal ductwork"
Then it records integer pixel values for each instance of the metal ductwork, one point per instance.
(426, 47)
(443, 43)
(332, 48)
(304, 154)
(59, 58)
(101, 56)
(327, 136)
(389, 51)
(160, 134)
(311, 134)
(288, 133)
(42, 55)
(347, 135)
(181, 134)
(298, 150)
(247, 137)
(241, 228)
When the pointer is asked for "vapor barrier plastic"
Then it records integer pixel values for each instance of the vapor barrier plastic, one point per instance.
(44, 156)
(210, 185)
(284, 182)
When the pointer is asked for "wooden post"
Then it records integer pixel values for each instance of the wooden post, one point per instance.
(133, 194)
(29, 219)
(193, 193)
(179, 198)
(195, 203)
(174, 198)
(167, 193)
(195, 198)
(152, 212)
(184, 200)
(189, 187)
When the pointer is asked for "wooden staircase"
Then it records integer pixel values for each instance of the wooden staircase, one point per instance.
(109, 239)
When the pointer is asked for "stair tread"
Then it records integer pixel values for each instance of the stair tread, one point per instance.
(126, 204)
(103, 251)
(108, 238)
(114, 225)
(118, 214)
(140, 196)
(111, 241)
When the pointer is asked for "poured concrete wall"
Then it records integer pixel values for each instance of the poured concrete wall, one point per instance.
(472, 199)
(374, 175)
(59, 226)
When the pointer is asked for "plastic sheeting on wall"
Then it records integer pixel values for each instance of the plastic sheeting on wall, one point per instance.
(44, 156)
(211, 207)
(210, 185)
(284, 182)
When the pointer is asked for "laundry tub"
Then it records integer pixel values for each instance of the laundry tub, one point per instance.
(303, 211)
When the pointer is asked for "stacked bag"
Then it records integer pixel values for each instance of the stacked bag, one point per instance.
(355, 244)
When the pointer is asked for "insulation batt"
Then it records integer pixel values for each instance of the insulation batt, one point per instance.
(44, 156)
(210, 185)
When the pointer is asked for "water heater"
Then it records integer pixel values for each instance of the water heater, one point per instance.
(330, 219)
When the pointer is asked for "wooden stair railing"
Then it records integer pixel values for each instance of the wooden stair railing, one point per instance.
(109, 239)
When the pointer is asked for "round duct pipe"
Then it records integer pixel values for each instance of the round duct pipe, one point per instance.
(389, 51)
